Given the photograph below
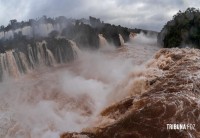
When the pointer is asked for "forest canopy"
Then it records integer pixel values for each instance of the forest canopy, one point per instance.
(183, 30)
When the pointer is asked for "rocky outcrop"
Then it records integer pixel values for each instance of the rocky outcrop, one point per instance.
(171, 96)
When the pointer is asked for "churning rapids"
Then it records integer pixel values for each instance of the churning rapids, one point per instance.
(124, 92)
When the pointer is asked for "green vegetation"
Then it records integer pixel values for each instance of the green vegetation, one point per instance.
(183, 30)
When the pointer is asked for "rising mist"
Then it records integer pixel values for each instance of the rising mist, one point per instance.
(48, 101)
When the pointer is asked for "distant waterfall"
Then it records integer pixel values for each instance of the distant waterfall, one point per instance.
(75, 47)
(121, 40)
(42, 29)
(132, 35)
(44, 55)
(9, 63)
(13, 63)
(102, 41)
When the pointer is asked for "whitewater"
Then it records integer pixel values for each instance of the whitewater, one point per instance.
(46, 101)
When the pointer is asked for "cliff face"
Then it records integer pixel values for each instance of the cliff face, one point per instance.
(40, 53)
(170, 95)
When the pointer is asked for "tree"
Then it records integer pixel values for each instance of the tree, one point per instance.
(183, 29)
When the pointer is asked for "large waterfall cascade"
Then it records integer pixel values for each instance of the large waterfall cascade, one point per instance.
(121, 40)
(14, 62)
(102, 41)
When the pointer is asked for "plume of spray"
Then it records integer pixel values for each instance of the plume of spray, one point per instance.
(139, 50)
(42, 29)
(48, 101)
(121, 40)
(104, 45)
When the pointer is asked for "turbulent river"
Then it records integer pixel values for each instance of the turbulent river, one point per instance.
(76, 97)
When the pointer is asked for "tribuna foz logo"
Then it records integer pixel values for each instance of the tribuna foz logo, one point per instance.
(180, 126)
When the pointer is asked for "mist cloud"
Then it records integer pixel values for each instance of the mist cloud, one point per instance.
(46, 102)
(147, 14)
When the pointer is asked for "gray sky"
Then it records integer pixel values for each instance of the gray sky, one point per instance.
(145, 14)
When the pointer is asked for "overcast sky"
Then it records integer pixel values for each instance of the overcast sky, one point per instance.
(145, 14)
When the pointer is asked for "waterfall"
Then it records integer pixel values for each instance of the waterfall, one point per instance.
(13, 63)
(8, 34)
(42, 29)
(31, 56)
(75, 47)
(44, 55)
(24, 62)
(132, 35)
(27, 31)
(40, 55)
(102, 41)
(121, 40)
(2, 34)
(50, 57)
